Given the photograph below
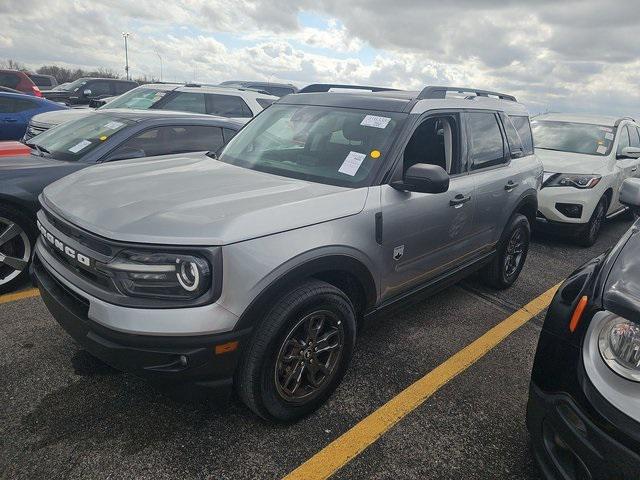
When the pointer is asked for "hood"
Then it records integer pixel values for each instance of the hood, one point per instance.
(621, 293)
(193, 200)
(567, 162)
(56, 117)
(21, 175)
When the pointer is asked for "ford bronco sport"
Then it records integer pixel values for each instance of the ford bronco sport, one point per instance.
(253, 268)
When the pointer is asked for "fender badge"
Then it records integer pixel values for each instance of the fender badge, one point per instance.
(398, 252)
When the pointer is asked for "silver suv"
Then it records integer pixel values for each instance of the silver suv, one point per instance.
(253, 268)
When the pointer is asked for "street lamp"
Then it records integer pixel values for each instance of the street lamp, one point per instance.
(126, 53)
(156, 52)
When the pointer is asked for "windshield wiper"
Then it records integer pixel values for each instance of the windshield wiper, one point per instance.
(41, 150)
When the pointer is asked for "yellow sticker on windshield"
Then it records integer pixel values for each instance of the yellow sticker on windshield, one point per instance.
(375, 154)
(103, 138)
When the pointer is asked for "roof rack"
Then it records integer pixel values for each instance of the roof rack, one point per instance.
(325, 87)
(621, 119)
(441, 92)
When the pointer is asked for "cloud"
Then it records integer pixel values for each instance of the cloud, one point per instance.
(577, 55)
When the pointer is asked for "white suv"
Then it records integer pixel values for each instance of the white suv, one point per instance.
(235, 103)
(585, 158)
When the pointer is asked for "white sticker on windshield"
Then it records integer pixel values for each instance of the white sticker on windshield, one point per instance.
(352, 163)
(79, 146)
(113, 125)
(606, 129)
(375, 121)
(608, 136)
(601, 149)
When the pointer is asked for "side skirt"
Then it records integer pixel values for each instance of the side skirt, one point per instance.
(429, 288)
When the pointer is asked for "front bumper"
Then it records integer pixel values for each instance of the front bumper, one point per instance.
(166, 361)
(568, 444)
(550, 196)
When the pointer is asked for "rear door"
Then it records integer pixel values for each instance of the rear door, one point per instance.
(498, 181)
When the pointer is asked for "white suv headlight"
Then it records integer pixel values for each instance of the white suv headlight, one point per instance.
(619, 343)
(572, 180)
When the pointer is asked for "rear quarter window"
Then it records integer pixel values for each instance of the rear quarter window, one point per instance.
(524, 130)
(10, 80)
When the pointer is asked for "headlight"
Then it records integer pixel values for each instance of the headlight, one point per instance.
(619, 343)
(168, 276)
(572, 180)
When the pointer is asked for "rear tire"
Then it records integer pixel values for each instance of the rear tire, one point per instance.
(298, 353)
(17, 239)
(505, 268)
(592, 230)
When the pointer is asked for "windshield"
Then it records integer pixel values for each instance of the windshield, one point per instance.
(573, 137)
(72, 140)
(336, 146)
(142, 98)
(73, 86)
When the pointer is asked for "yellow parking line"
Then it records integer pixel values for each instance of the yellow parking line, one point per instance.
(12, 297)
(353, 442)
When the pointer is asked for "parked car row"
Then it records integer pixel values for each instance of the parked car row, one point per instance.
(249, 263)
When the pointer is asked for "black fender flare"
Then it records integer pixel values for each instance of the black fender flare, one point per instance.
(310, 268)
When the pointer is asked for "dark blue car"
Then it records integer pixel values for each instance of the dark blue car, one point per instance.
(17, 109)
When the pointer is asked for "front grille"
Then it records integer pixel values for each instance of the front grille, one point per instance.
(98, 250)
(36, 129)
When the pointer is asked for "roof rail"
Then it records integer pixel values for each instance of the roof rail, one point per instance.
(621, 119)
(441, 92)
(325, 87)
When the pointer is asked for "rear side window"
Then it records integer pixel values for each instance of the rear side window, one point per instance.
(14, 105)
(515, 143)
(524, 130)
(186, 102)
(277, 91)
(487, 144)
(227, 106)
(123, 87)
(10, 80)
(172, 139)
(264, 102)
(41, 81)
(635, 136)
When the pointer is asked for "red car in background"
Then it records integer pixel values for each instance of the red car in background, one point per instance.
(11, 149)
(19, 81)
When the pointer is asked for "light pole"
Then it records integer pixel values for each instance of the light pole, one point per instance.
(126, 53)
(156, 52)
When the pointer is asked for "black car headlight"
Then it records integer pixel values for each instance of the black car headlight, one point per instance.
(619, 344)
(166, 276)
(572, 180)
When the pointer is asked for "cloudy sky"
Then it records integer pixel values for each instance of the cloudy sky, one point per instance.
(554, 55)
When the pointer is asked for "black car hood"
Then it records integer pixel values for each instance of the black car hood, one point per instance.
(23, 178)
(621, 293)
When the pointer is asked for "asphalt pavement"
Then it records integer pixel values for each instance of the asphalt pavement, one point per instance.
(66, 415)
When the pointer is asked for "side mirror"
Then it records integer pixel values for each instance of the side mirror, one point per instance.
(424, 178)
(127, 153)
(86, 92)
(630, 152)
(96, 103)
(630, 193)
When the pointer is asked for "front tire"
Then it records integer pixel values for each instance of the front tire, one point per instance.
(505, 268)
(592, 230)
(17, 238)
(298, 353)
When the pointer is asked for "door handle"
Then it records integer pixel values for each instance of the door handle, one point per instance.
(10, 120)
(459, 200)
(634, 169)
(510, 185)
